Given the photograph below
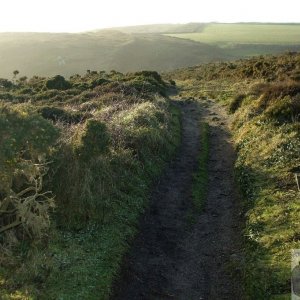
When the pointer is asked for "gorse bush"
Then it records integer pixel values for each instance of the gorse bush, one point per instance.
(281, 101)
(59, 114)
(58, 82)
(277, 90)
(26, 140)
(5, 83)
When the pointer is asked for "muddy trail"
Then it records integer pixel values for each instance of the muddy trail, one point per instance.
(171, 258)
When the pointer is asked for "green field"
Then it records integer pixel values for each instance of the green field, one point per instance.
(228, 34)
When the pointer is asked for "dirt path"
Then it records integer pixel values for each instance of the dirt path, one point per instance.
(171, 260)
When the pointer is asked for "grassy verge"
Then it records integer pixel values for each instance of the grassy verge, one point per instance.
(271, 206)
(263, 99)
(91, 257)
(266, 150)
(81, 260)
(201, 177)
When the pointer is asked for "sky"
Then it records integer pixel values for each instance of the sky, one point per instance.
(84, 15)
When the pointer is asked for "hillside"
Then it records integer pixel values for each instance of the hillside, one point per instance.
(68, 54)
(262, 96)
(77, 160)
(129, 185)
(163, 28)
(161, 47)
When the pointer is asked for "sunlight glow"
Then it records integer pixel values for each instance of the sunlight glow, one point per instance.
(76, 16)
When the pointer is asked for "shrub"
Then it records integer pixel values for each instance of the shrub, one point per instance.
(4, 83)
(142, 130)
(152, 74)
(59, 114)
(286, 109)
(6, 96)
(26, 90)
(26, 140)
(92, 140)
(58, 82)
(45, 95)
(98, 81)
(278, 90)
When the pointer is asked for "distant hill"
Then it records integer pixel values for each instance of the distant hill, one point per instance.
(161, 47)
(164, 28)
(48, 54)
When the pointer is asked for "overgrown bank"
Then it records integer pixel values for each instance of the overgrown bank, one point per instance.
(102, 138)
(262, 94)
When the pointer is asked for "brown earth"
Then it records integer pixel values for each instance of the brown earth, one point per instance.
(172, 258)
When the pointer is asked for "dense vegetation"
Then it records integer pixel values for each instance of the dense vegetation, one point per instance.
(77, 158)
(263, 96)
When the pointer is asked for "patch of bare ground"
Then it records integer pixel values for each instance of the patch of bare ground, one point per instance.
(170, 260)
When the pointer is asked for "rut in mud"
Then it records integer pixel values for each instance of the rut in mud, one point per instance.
(169, 259)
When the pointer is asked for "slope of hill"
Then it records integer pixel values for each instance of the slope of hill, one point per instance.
(77, 159)
(263, 96)
(107, 136)
(163, 28)
(157, 52)
(160, 47)
(67, 54)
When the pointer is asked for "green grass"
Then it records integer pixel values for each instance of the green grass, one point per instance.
(115, 137)
(244, 40)
(201, 177)
(262, 97)
(228, 34)
(92, 256)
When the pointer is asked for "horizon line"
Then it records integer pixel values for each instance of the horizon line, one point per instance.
(153, 24)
